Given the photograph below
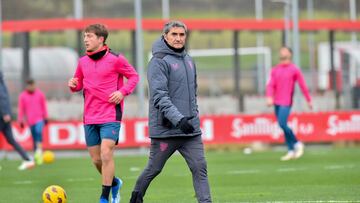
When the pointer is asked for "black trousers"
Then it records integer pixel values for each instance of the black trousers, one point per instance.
(5, 128)
(192, 149)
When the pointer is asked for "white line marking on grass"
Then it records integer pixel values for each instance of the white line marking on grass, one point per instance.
(23, 182)
(334, 167)
(134, 169)
(284, 170)
(337, 167)
(79, 179)
(243, 171)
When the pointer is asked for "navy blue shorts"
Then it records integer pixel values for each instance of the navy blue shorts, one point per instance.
(94, 133)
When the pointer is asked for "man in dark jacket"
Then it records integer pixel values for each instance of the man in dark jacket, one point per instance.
(5, 126)
(174, 122)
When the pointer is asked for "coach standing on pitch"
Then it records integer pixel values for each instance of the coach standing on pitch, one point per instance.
(174, 122)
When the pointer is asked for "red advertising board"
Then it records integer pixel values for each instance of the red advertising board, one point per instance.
(309, 127)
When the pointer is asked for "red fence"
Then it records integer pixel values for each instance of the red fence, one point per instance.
(57, 24)
(310, 127)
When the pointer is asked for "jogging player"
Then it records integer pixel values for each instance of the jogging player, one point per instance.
(279, 93)
(32, 110)
(100, 74)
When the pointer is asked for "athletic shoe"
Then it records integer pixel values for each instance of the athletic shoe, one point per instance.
(299, 150)
(290, 155)
(26, 165)
(115, 191)
(103, 200)
(38, 158)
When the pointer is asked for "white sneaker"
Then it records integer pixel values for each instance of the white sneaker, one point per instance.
(290, 155)
(26, 165)
(299, 149)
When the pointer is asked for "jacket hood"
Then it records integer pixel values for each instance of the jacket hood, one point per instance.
(160, 47)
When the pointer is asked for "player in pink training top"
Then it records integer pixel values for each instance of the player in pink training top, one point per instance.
(33, 111)
(279, 92)
(100, 74)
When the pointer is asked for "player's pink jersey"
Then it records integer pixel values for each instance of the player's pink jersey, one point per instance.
(98, 79)
(282, 83)
(32, 107)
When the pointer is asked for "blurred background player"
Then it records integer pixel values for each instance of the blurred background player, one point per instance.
(5, 126)
(279, 92)
(32, 109)
(174, 123)
(100, 73)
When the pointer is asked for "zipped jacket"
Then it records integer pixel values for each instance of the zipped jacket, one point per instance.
(32, 107)
(282, 83)
(172, 89)
(98, 79)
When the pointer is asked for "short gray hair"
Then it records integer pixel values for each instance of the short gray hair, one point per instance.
(172, 24)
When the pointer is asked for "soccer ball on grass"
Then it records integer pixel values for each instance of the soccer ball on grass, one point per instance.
(48, 157)
(54, 194)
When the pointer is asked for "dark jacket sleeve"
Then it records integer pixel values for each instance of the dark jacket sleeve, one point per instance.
(196, 88)
(158, 78)
(4, 98)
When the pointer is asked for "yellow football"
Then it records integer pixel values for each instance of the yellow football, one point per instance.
(48, 157)
(54, 194)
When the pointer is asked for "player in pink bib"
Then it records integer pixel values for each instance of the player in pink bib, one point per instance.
(100, 74)
(279, 92)
(32, 110)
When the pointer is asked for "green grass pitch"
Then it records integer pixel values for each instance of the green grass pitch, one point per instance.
(322, 175)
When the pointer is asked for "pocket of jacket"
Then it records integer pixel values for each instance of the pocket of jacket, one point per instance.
(164, 121)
